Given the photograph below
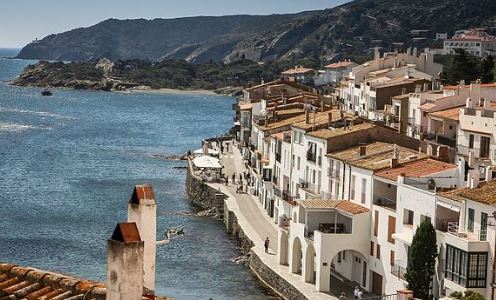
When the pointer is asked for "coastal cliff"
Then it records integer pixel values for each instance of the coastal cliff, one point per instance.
(348, 31)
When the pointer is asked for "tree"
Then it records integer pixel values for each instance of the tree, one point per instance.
(422, 260)
(461, 66)
(487, 69)
(469, 295)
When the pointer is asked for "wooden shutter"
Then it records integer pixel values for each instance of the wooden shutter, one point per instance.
(391, 228)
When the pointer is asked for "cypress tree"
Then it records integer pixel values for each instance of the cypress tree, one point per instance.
(422, 260)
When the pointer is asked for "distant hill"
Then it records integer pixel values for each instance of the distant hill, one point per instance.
(347, 30)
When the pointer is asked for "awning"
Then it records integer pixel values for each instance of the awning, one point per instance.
(207, 162)
(210, 151)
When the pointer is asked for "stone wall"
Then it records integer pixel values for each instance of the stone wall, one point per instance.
(271, 279)
(233, 228)
(202, 195)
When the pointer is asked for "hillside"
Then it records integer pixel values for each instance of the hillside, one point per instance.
(350, 29)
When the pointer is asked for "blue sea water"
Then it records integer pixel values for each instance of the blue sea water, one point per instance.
(68, 164)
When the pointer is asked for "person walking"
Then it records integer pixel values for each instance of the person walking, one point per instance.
(240, 178)
(233, 178)
(355, 292)
(266, 245)
(227, 180)
(360, 293)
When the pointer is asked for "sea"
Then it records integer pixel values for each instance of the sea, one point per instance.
(68, 165)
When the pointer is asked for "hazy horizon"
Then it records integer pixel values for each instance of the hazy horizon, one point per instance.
(25, 20)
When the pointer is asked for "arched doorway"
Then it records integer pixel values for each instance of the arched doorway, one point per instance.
(283, 248)
(310, 264)
(296, 257)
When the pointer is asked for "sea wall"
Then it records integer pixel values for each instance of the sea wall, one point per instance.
(206, 197)
(202, 195)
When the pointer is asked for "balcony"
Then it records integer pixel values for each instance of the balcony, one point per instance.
(278, 157)
(277, 192)
(398, 270)
(385, 202)
(439, 139)
(469, 241)
(286, 196)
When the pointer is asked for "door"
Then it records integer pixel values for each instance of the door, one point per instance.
(357, 268)
(376, 283)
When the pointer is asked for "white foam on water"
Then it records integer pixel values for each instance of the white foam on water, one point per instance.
(37, 113)
(13, 127)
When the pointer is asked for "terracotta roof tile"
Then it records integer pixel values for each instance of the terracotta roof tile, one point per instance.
(331, 133)
(342, 205)
(297, 70)
(485, 193)
(339, 64)
(419, 168)
(450, 114)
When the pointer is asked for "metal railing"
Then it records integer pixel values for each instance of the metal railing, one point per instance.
(439, 139)
(398, 270)
(278, 157)
(454, 229)
(312, 156)
(384, 202)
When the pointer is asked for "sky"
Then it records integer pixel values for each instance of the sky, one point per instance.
(21, 21)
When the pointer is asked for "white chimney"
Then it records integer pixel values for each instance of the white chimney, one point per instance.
(489, 173)
(142, 210)
(125, 263)
(473, 179)
(469, 103)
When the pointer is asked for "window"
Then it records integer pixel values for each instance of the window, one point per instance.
(352, 187)
(470, 223)
(483, 230)
(376, 222)
(339, 257)
(371, 248)
(467, 269)
(364, 189)
(343, 255)
(378, 254)
(471, 141)
(391, 228)
(484, 146)
(407, 217)
(298, 165)
(391, 258)
(312, 152)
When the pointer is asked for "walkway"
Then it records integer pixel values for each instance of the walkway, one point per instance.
(257, 225)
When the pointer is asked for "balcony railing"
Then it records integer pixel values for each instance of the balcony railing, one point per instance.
(439, 139)
(398, 270)
(454, 229)
(277, 192)
(384, 202)
(278, 157)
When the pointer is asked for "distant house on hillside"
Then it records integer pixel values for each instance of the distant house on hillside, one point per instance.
(299, 74)
(476, 41)
(334, 73)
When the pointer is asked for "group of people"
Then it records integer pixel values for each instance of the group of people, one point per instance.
(243, 177)
(220, 144)
(357, 293)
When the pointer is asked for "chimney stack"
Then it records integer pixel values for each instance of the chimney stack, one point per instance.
(363, 150)
(489, 173)
(395, 160)
(125, 263)
(469, 103)
(307, 116)
(329, 118)
(473, 179)
(142, 210)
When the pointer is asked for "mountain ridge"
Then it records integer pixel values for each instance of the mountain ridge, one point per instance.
(350, 29)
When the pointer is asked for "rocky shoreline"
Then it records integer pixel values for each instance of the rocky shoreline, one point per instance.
(97, 78)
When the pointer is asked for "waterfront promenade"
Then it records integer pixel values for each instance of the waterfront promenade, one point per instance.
(257, 225)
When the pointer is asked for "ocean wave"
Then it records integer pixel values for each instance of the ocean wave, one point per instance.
(14, 127)
(37, 113)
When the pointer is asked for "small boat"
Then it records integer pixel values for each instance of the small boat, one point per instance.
(46, 92)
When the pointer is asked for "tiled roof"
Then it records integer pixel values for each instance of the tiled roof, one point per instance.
(297, 70)
(281, 123)
(342, 205)
(485, 193)
(450, 114)
(142, 194)
(18, 282)
(321, 118)
(377, 156)
(339, 64)
(29, 283)
(427, 106)
(419, 168)
(330, 133)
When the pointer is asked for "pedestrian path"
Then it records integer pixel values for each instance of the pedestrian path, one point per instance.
(257, 225)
